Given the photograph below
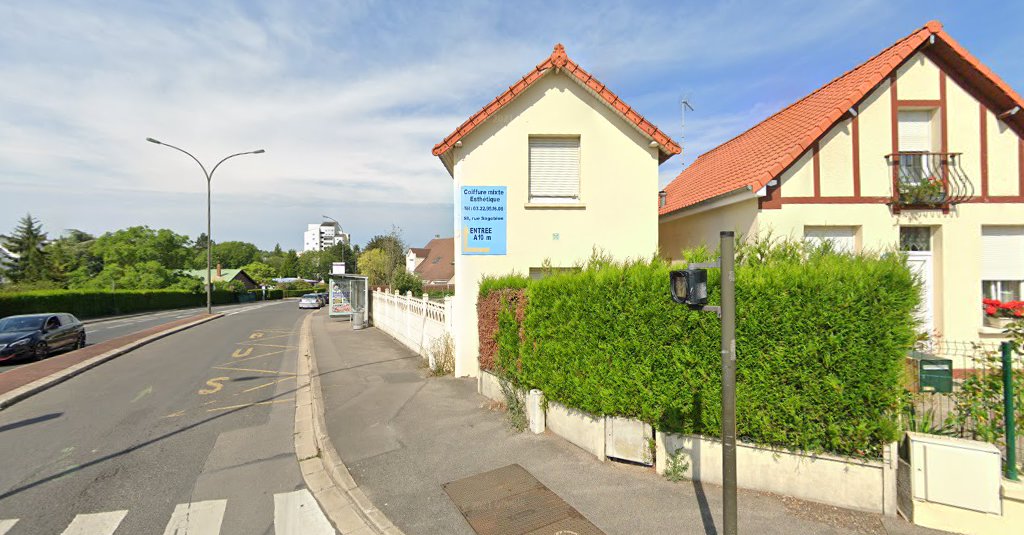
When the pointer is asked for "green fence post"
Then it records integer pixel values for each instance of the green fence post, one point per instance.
(1008, 412)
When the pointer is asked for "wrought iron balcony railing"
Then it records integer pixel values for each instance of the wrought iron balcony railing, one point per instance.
(929, 180)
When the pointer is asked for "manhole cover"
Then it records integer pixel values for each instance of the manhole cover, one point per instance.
(510, 501)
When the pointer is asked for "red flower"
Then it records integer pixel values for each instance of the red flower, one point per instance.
(990, 310)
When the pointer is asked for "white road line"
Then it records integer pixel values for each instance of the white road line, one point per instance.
(95, 524)
(199, 518)
(297, 513)
(7, 524)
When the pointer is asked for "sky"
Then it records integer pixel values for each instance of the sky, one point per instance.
(348, 98)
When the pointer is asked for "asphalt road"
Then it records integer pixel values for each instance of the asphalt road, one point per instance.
(103, 330)
(192, 433)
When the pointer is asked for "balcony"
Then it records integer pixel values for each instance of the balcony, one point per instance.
(928, 180)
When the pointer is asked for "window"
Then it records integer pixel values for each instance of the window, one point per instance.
(842, 239)
(915, 239)
(915, 135)
(554, 169)
(1002, 262)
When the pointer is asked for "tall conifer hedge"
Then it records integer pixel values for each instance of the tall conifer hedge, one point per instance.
(821, 341)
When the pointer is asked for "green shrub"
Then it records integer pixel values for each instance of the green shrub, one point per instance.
(821, 339)
(92, 304)
(489, 284)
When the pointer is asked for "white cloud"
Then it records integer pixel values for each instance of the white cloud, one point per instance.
(347, 98)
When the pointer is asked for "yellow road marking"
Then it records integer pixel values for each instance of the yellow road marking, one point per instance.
(239, 353)
(254, 357)
(256, 335)
(277, 330)
(266, 384)
(272, 372)
(265, 345)
(175, 414)
(214, 384)
(265, 338)
(229, 407)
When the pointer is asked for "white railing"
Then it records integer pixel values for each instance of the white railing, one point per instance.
(415, 322)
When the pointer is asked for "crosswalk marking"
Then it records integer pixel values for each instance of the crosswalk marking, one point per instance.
(297, 513)
(6, 525)
(95, 524)
(199, 518)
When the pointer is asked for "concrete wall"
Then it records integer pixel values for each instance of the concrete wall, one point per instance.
(840, 481)
(956, 236)
(675, 235)
(580, 428)
(617, 211)
(958, 520)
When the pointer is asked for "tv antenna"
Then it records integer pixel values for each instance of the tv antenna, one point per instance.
(684, 104)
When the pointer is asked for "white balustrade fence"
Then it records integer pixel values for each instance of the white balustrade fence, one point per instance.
(415, 322)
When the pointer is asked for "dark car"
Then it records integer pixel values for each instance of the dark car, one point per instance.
(36, 336)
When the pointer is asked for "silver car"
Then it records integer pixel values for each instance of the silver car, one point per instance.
(309, 301)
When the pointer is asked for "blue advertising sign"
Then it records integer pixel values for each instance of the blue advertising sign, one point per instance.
(484, 220)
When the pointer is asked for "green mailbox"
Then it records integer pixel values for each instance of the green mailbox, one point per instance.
(934, 374)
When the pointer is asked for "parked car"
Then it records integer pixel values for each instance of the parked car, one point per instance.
(309, 301)
(37, 336)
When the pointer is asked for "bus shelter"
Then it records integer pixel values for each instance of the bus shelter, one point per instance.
(348, 296)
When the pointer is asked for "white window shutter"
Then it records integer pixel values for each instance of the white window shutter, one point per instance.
(915, 131)
(1002, 253)
(555, 167)
(843, 238)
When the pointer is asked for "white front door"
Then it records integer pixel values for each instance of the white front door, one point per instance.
(916, 243)
(920, 263)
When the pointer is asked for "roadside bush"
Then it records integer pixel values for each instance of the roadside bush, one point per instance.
(821, 339)
(92, 304)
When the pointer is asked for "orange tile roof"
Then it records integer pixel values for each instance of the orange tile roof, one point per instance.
(753, 158)
(559, 60)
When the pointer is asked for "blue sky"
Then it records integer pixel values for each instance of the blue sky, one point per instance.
(348, 98)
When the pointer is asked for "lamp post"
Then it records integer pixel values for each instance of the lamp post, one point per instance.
(209, 239)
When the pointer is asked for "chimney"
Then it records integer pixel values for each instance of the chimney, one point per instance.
(218, 270)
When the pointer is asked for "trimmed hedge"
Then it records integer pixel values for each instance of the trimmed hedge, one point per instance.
(93, 304)
(271, 294)
(821, 340)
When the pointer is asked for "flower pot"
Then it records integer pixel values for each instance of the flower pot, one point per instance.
(997, 323)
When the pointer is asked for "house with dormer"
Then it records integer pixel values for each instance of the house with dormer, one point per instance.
(918, 149)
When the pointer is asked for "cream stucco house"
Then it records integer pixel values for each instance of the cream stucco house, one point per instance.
(918, 148)
(536, 172)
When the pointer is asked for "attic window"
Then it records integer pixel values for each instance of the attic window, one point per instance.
(554, 169)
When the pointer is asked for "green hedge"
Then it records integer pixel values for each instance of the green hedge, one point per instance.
(92, 304)
(271, 294)
(821, 340)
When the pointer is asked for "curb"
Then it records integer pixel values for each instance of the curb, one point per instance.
(22, 392)
(325, 473)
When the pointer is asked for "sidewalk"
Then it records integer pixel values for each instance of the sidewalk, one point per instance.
(403, 435)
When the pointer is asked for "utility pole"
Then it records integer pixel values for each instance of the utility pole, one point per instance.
(690, 287)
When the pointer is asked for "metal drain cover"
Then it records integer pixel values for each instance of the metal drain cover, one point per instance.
(510, 501)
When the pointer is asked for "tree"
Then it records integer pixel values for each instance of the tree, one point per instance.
(135, 245)
(27, 242)
(375, 265)
(260, 272)
(233, 254)
(71, 258)
(392, 252)
(290, 265)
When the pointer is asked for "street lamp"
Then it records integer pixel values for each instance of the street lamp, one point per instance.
(209, 239)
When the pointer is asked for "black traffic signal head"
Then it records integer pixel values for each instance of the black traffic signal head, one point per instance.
(690, 286)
